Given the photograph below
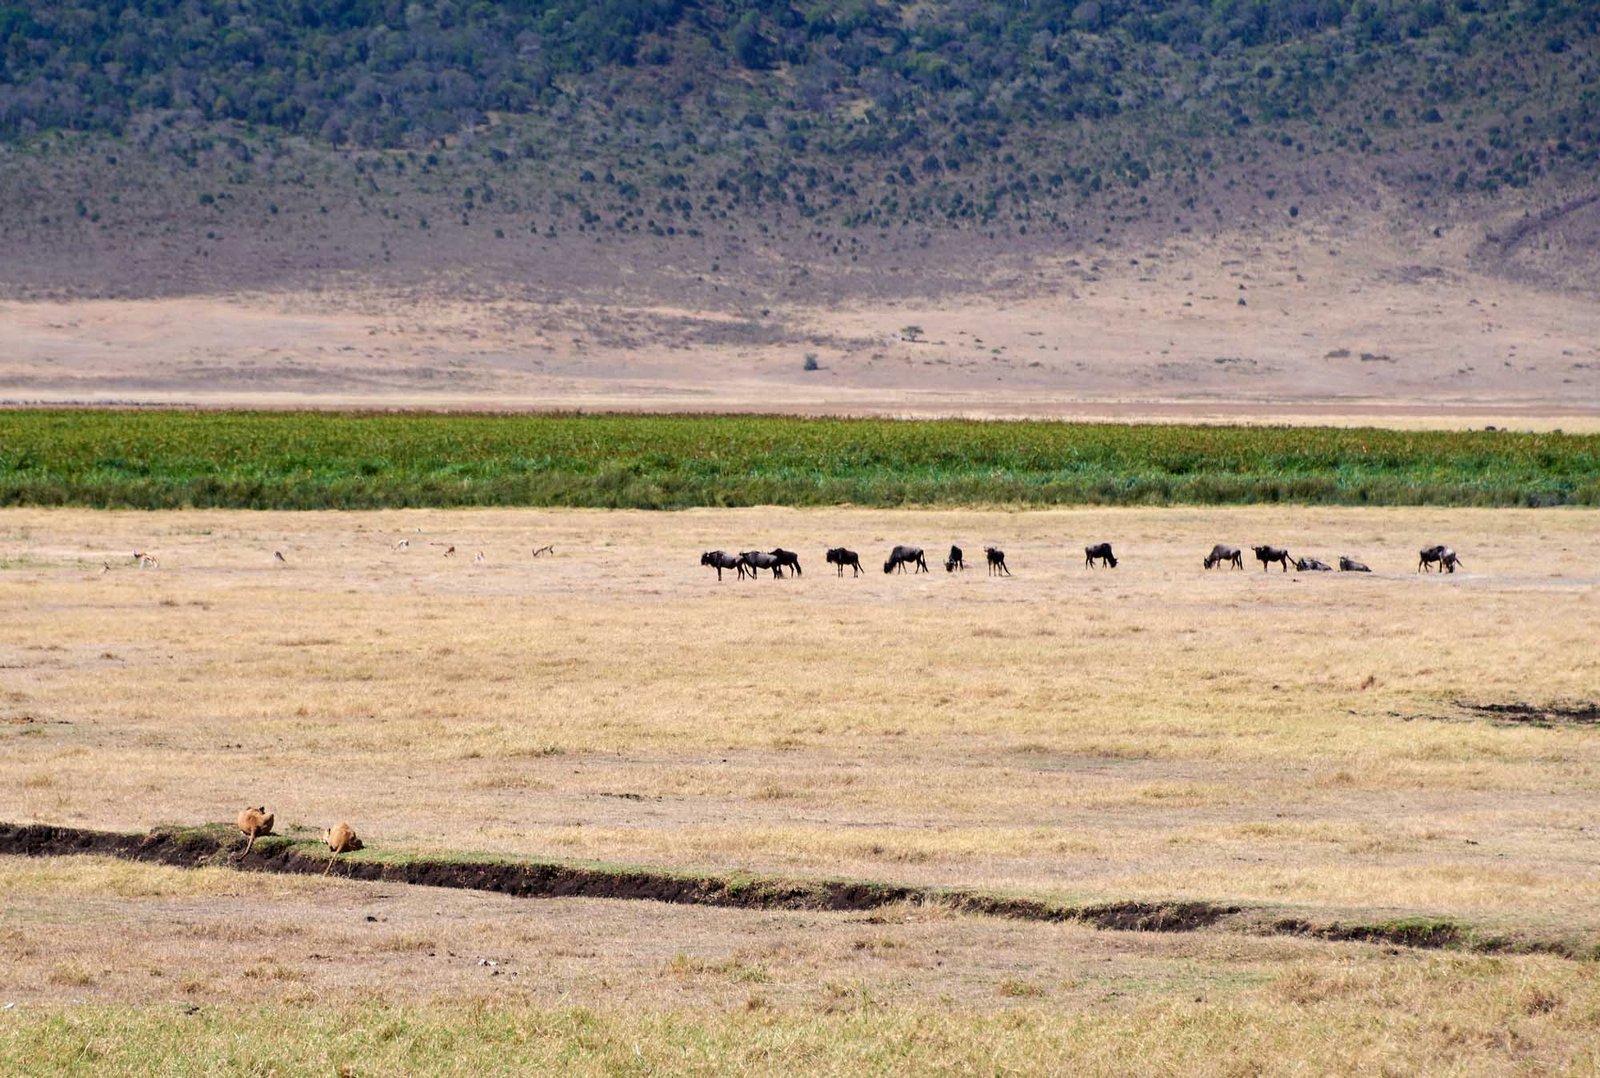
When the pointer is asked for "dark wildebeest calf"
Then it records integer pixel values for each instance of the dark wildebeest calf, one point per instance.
(1440, 555)
(1350, 565)
(723, 561)
(760, 559)
(788, 559)
(955, 561)
(841, 557)
(997, 560)
(1101, 551)
(1266, 555)
(1221, 553)
(900, 555)
(1312, 565)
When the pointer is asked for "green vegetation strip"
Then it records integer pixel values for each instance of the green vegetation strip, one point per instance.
(250, 460)
(220, 846)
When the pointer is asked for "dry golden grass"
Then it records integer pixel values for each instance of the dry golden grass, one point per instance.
(308, 975)
(1153, 730)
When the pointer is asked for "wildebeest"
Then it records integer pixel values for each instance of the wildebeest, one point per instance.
(722, 561)
(788, 559)
(955, 560)
(1312, 565)
(1266, 555)
(1350, 565)
(997, 560)
(760, 559)
(841, 557)
(1223, 552)
(901, 555)
(1100, 551)
(1439, 555)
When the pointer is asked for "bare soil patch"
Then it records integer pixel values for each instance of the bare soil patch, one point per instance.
(1340, 323)
(1547, 715)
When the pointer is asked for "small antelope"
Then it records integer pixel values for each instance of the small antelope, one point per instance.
(544, 550)
(340, 839)
(253, 822)
(478, 558)
(451, 551)
(404, 544)
(105, 567)
(146, 560)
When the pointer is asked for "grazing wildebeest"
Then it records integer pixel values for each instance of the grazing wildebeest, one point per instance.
(997, 560)
(1266, 555)
(955, 561)
(1448, 560)
(722, 561)
(760, 559)
(1101, 551)
(901, 555)
(1223, 552)
(1439, 555)
(788, 559)
(1312, 565)
(841, 557)
(1350, 565)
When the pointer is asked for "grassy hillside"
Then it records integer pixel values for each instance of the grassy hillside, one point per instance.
(157, 146)
(316, 461)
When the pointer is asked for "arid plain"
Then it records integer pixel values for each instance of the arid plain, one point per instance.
(1345, 324)
(1309, 742)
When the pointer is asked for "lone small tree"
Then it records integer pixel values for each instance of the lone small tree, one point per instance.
(911, 333)
(811, 361)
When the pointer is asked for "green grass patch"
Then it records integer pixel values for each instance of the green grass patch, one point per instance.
(253, 460)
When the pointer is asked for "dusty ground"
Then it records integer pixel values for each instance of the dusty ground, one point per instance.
(1317, 323)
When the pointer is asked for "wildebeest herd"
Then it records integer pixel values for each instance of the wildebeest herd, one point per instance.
(749, 562)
